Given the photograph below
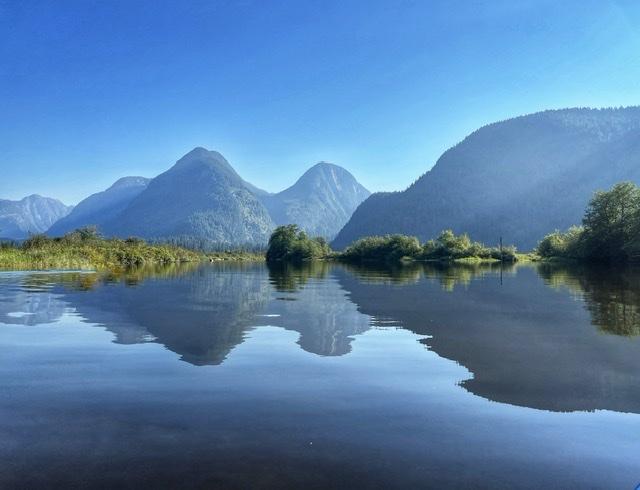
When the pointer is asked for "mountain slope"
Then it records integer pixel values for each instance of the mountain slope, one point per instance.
(320, 202)
(518, 179)
(33, 214)
(101, 207)
(201, 196)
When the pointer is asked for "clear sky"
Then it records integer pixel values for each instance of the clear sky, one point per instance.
(92, 91)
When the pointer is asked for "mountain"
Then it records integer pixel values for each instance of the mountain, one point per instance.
(200, 197)
(320, 202)
(519, 179)
(102, 207)
(33, 214)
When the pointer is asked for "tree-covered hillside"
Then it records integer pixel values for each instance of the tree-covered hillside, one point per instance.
(517, 179)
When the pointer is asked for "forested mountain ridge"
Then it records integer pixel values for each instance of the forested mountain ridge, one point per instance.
(321, 201)
(101, 207)
(519, 179)
(32, 214)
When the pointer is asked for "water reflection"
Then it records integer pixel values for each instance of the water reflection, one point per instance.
(524, 343)
(321, 312)
(525, 333)
(612, 295)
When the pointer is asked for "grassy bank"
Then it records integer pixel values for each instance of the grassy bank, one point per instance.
(86, 251)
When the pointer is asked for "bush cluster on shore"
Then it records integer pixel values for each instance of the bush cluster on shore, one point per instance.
(610, 230)
(288, 243)
(85, 249)
(446, 247)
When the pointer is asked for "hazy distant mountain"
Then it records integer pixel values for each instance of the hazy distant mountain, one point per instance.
(320, 202)
(101, 207)
(33, 214)
(518, 179)
(201, 196)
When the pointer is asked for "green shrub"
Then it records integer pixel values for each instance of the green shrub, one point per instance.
(446, 247)
(290, 243)
(390, 248)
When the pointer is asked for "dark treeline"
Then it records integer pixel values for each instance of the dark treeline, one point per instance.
(290, 244)
(610, 230)
(207, 245)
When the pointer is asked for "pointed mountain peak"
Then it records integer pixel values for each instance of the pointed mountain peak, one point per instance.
(327, 173)
(33, 197)
(322, 166)
(200, 153)
(199, 157)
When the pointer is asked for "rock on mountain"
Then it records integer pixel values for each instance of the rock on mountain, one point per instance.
(519, 179)
(320, 202)
(200, 197)
(33, 214)
(102, 207)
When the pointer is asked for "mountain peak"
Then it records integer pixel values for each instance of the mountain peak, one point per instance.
(32, 197)
(321, 200)
(200, 156)
(323, 166)
(199, 153)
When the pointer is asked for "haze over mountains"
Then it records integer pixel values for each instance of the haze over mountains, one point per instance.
(322, 200)
(33, 214)
(202, 199)
(519, 179)
(101, 207)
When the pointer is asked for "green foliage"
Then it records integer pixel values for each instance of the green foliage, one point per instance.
(289, 243)
(388, 248)
(450, 246)
(611, 223)
(85, 249)
(610, 229)
(558, 244)
(446, 247)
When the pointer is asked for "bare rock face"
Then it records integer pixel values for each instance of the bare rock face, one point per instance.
(33, 214)
(320, 202)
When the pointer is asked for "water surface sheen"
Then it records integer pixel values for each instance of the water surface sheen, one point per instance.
(248, 376)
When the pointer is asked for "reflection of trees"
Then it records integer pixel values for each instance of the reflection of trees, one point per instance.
(391, 274)
(461, 274)
(611, 295)
(289, 277)
(448, 274)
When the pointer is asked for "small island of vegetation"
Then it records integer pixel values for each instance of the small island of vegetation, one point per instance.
(289, 243)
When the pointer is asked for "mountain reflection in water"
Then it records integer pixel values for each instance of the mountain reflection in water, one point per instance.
(547, 337)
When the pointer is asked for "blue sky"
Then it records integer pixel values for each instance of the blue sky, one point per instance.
(92, 91)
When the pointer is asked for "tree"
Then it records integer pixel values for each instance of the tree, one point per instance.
(611, 223)
(288, 242)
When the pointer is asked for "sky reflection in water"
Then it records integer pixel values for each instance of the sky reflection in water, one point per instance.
(242, 375)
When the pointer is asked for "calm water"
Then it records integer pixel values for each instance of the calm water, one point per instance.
(241, 376)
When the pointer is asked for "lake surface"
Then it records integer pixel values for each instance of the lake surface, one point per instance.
(244, 376)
